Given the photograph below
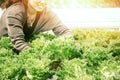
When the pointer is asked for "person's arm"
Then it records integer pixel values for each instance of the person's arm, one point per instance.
(59, 28)
(53, 22)
(15, 20)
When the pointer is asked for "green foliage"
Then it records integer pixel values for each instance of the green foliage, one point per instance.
(5, 43)
(88, 55)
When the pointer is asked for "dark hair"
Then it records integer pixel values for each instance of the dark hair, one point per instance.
(6, 3)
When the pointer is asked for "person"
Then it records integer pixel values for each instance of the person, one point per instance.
(23, 18)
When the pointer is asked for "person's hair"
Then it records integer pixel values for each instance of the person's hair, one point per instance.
(6, 3)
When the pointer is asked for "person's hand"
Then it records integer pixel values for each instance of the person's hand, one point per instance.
(68, 39)
(62, 38)
(65, 36)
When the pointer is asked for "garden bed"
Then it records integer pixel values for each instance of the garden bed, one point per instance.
(87, 55)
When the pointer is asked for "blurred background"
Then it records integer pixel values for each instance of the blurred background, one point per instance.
(84, 3)
(87, 13)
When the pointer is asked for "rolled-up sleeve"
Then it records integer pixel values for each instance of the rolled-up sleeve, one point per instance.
(15, 20)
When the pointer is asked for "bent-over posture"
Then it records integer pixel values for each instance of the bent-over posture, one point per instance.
(23, 18)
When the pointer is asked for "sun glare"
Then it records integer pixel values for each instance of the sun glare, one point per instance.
(90, 13)
(86, 13)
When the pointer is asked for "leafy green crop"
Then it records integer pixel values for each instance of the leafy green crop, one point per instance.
(88, 55)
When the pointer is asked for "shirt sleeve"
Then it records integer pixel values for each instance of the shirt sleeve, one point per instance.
(15, 20)
(59, 28)
(53, 22)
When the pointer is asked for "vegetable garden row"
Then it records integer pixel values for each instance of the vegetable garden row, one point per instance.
(92, 54)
